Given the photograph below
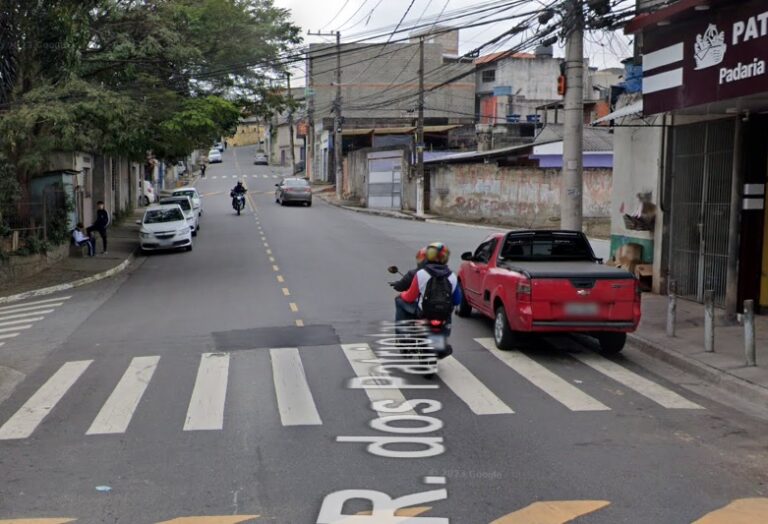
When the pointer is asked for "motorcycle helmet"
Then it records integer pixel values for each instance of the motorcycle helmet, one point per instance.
(421, 256)
(438, 253)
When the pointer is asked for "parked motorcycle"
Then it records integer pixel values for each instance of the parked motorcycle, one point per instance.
(434, 333)
(238, 202)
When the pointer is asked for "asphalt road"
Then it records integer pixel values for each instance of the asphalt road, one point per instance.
(217, 383)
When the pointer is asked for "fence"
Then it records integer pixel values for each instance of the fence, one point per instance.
(31, 225)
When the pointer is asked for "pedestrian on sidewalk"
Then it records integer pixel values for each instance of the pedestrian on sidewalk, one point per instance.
(101, 224)
(202, 169)
(225, 144)
(80, 239)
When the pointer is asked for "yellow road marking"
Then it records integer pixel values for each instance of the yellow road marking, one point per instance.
(228, 519)
(269, 251)
(406, 512)
(271, 259)
(299, 323)
(552, 512)
(294, 307)
(37, 521)
(280, 279)
(266, 245)
(741, 511)
(275, 268)
(286, 292)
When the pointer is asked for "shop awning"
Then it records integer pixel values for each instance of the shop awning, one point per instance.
(635, 108)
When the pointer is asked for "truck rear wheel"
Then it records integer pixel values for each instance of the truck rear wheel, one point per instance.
(502, 333)
(612, 343)
(464, 309)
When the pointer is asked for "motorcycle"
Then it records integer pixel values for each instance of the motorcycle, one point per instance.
(238, 201)
(434, 332)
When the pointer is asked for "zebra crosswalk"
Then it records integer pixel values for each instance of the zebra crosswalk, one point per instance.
(298, 405)
(17, 318)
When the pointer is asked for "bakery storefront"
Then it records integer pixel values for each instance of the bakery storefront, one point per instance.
(705, 67)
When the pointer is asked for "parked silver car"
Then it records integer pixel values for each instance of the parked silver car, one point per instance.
(293, 190)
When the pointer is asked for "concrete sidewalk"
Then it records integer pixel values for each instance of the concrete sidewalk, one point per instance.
(123, 241)
(726, 366)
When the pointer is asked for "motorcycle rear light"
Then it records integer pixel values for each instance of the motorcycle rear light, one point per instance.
(436, 322)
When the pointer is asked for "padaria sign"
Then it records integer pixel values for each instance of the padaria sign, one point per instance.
(715, 55)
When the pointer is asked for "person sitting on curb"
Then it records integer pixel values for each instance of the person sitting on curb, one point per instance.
(80, 239)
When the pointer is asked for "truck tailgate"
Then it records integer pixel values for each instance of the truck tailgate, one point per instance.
(583, 298)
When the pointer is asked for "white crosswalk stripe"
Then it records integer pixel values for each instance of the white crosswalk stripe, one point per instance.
(26, 315)
(35, 303)
(294, 398)
(265, 176)
(20, 321)
(15, 328)
(559, 389)
(214, 177)
(206, 407)
(23, 423)
(9, 335)
(659, 394)
(33, 308)
(117, 412)
(480, 399)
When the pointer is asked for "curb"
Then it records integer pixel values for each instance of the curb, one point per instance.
(367, 211)
(712, 375)
(70, 285)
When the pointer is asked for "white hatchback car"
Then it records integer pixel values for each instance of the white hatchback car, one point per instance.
(214, 156)
(164, 227)
(190, 213)
(194, 196)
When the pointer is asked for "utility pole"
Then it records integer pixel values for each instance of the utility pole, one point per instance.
(338, 138)
(336, 175)
(424, 200)
(290, 122)
(571, 206)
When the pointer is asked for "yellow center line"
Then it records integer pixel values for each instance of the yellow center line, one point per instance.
(286, 292)
(37, 521)
(299, 323)
(280, 279)
(275, 268)
(740, 511)
(269, 251)
(294, 307)
(552, 512)
(272, 259)
(229, 519)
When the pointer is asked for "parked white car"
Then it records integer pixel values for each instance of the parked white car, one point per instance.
(190, 213)
(147, 193)
(164, 227)
(214, 157)
(194, 196)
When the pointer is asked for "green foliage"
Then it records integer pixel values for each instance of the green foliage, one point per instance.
(126, 77)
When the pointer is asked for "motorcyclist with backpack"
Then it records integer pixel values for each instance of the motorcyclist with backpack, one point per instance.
(434, 290)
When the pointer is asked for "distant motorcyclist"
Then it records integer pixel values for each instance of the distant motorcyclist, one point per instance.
(238, 189)
(404, 283)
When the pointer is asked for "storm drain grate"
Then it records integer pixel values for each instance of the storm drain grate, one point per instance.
(275, 337)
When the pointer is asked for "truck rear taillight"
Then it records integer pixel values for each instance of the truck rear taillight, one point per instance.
(524, 291)
(638, 291)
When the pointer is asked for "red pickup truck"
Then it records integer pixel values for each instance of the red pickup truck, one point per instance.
(548, 282)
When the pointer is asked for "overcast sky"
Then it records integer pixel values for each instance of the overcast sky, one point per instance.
(604, 50)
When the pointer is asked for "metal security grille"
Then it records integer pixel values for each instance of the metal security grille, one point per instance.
(702, 167)
(385, 179)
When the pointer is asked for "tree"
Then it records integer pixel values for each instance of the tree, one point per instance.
(128, 76)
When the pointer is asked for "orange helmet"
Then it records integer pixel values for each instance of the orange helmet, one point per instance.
(421, 256)
(438, 253)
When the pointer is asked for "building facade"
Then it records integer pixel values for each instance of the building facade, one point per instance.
(380, 85)
(705, 84)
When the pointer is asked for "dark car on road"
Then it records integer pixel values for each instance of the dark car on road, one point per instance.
(292, 190)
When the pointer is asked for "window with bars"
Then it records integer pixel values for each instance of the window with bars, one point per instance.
(489, 75)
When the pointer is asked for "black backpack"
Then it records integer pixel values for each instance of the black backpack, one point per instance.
(437, 302)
